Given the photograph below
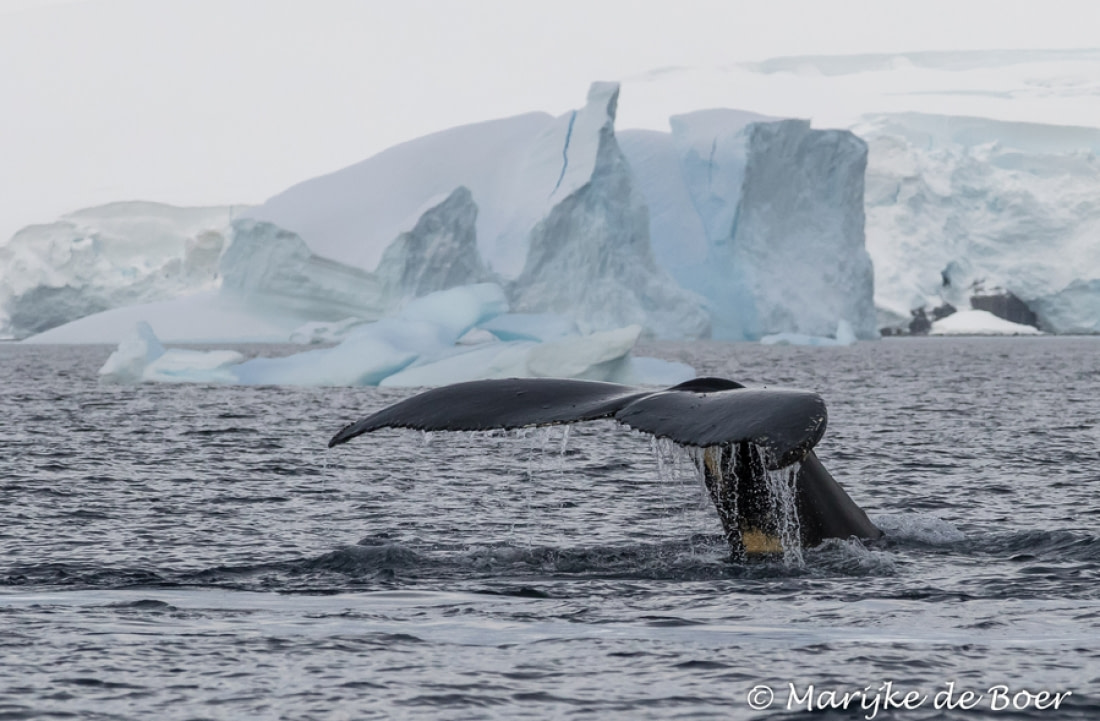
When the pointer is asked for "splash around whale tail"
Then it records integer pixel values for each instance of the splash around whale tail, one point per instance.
(783, 425)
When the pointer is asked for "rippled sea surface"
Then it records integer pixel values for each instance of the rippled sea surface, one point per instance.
(186, 552)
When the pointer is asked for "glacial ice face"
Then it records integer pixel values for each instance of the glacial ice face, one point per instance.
(768, 226)
(591, 259)
(105, 257)
(440, 252)
(712, 150)
(555, 200)
(958, 204)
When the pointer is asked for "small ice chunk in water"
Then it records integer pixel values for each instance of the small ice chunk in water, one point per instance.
(134, 353)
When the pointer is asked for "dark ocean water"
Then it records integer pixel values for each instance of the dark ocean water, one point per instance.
(186, 552)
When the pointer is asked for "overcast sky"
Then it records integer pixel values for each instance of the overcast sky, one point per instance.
(231, 101)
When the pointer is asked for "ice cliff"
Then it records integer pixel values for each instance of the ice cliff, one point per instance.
(957, 206)
(557, 216)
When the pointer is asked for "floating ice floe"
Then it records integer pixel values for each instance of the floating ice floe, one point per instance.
(434, 340)
(844, 336)
(141, 357)
(979, 322)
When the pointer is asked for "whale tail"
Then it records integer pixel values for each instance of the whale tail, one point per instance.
(750, 436)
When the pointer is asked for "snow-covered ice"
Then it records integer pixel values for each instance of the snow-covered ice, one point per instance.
(204, 317)
(979, 322)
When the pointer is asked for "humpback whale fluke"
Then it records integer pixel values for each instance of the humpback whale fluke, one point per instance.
(750, 437)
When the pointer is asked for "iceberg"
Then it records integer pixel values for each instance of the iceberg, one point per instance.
(141, 357)
(602, 356)
(510, 167)
(274, 271)
(440, 252)
(531, 326)
(136, 351)
(547, 203)
(266, 285)
(319, 332)
(732, 222)
(427, 327)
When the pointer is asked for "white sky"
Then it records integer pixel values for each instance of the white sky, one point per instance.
(230, 101)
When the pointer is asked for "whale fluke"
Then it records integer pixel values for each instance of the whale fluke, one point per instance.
(701, 412)
(747, 433)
